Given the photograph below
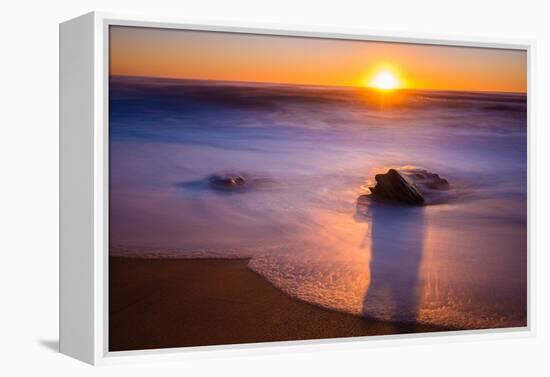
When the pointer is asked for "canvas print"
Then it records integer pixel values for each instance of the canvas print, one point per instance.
(271, 188)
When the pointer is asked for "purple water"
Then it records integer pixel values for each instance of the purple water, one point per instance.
(309, 153)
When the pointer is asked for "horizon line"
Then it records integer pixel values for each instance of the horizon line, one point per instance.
(317, 85)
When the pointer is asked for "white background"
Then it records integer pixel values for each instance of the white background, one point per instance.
(29, 183)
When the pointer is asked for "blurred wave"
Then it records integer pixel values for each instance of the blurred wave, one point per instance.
(308, 153)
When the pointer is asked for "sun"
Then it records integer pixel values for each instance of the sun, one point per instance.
(384, 80)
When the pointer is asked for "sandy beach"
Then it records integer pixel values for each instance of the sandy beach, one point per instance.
(160, 303)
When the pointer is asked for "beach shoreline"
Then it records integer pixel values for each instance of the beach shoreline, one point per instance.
(166, 303)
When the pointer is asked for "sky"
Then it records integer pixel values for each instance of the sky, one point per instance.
(153, 52)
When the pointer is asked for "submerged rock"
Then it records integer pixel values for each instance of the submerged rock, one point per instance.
(232, 182)
(226, 181)
(424, 179)
(395, 187)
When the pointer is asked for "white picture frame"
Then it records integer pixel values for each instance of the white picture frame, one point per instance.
(84, 191)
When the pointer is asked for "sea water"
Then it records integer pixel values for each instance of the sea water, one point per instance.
(308, 153)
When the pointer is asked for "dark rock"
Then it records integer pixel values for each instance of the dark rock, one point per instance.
(226, 181)
(395, 187)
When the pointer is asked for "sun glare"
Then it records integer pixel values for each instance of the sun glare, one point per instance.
(384, 80)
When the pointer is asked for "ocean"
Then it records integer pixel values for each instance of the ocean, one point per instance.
(307, 154)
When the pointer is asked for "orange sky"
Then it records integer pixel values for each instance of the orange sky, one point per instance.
(246, 57)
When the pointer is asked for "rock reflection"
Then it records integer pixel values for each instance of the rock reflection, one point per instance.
(397, 243)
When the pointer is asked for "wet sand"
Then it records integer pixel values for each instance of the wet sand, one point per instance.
(163, 303)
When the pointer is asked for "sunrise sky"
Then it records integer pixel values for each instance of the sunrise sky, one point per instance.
(296, 60)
